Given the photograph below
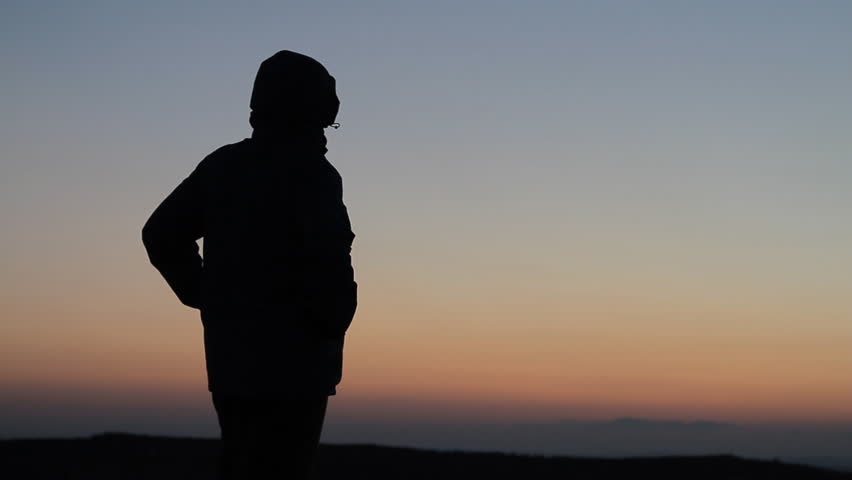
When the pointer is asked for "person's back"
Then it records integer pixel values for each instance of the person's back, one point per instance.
(276, 288)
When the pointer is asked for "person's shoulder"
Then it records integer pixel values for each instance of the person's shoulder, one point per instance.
(221, 156)
(228, 151)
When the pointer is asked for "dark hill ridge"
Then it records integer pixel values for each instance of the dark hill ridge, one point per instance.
(123, 456)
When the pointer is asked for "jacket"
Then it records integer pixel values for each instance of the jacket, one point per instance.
(275, 285)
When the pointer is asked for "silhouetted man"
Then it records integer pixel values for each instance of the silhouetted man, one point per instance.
(275, 286)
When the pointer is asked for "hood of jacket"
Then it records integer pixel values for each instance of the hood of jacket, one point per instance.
(292, 93)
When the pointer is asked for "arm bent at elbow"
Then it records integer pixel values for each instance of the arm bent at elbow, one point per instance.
(170, 237)
(178, 262)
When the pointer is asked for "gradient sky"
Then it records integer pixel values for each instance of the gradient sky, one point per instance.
(563, 209)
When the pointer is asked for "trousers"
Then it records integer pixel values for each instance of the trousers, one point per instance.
(268, 437)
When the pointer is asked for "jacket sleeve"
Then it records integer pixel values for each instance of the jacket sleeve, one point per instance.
(170, 237)
(330, 284)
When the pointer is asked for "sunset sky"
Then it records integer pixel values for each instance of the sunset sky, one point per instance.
(581, 210)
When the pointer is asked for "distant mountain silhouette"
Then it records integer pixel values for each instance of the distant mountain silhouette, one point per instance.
(827, 446)
(643, 423)
(131, 457)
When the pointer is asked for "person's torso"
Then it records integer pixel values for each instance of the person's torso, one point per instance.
(261, 206)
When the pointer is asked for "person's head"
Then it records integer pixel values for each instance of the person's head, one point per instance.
(293, 91)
